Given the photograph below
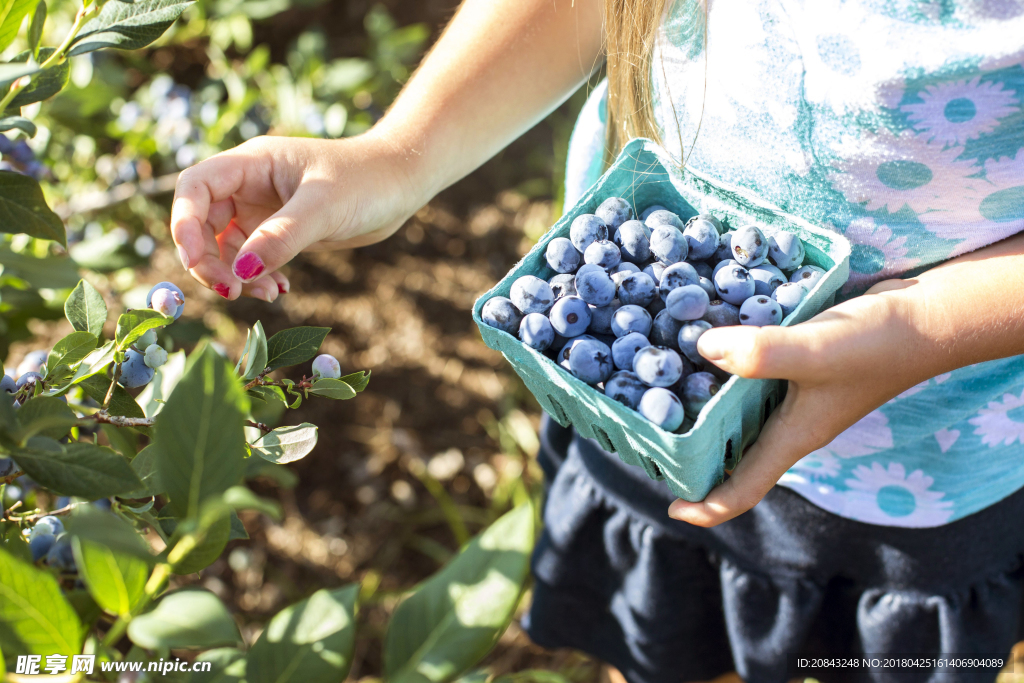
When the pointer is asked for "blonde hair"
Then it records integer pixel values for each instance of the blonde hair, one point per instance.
(631, 30)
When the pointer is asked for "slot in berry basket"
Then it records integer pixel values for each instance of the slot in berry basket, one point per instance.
(693, 458)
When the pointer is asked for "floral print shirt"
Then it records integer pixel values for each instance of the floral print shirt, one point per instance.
(899, 124)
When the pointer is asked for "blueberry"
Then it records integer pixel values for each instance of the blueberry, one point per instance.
(603, 253)
(134, 371)
(786, 250)
(34, 361)
(587, 229)
(808, 276)
(8, 384)
(563, 285)
(595, 286)
(638, 289)
(663, 217)
(614, 211)
(663, 408)
(709, 287)
(6, 466)
(722, 314)
(665, 330)
(789, 296)
(601, 317)
(722, 264)
(698, 389)
(155, 356)
(563, 356)
(174, 288)
(688, 336)
(60, 555)
(501, 313)
(536, 332)
(165, 301)
(701, 238)
(766, 278)
(657, 366)
(689, 302)
(655, 270)
(677, 275)
(634, 240)
(651, 209)
(719, 228)
(48, 525)
(625, 387)
(760, 311)
(29, 378)
(703, 268)
(40, 546)
(626, 267)
(591, 361)
(570, 316)
(625, 347)
(734, 284)
(22, 153)
(530, 294)
(147, 339)
(631, 318)
(325, 366)
(656, 306)
(668, 244)
(562, 256)
(724, 250)
(749, 246)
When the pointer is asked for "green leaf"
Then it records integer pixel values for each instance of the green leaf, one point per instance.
(14, 542)
(44, 85)
(228, 666)
(268, 393)
(166, 377)
(211, 544)
(85, 309)
(34, 616)
(46, 416)
(71, 349)
(115, 581)
(144, 465)
(35, 29)
(185, 619)
(332, 388)
(128, 25)
(241, 498)
(286, 444)
(357, 380)
(255, 352)
(90, 524)
(134, 324)
(308, 642)
(23, 209)
(19, 123)
(85, 607)
(10, 72)
(121, 402)
(199, 434)
(238, 531)
(294, 346)
(77, 469)
(95, 363)
(453, 619)
(12, 14)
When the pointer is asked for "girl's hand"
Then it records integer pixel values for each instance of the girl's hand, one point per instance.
(841, 365)
(242, 214)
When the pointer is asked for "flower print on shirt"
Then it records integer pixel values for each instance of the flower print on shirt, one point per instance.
(818, 465)
(867, 436)
(877, 255)
(881, 494)
(953, 113)
(1002, 422)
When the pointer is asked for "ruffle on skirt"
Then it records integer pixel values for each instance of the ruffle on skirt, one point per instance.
(665, 601)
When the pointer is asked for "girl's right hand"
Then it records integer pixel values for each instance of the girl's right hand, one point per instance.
(242, 214)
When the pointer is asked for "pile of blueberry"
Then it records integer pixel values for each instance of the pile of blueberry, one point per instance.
(20, 158)
(47, 541)
(631, 296)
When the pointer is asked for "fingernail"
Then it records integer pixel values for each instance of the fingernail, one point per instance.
(183, 255)
(261, 294)
(283, 289)
(222, 289)
(248, 266)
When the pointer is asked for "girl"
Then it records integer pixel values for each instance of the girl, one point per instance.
(898, 449)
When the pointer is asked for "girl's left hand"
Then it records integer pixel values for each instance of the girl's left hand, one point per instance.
(841, 365)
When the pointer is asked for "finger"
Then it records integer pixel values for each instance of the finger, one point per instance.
(278, 239)
(263, 288)
(769, 352)
(197, 198)
(283, 284)
(759, 470)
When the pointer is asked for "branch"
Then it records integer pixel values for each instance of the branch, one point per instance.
(36, 517)
(258, 380)
(260, 426)
(11, 477)
(120, 420)
(113, 383)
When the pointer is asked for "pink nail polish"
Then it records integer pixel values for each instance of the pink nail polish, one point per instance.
(222, 289)
(282, 289)
(248, 266)
(183, 255)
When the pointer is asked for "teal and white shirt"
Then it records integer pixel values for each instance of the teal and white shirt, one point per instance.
(899, 124)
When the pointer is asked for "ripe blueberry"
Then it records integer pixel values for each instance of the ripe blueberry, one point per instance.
(614, 211)
(701, 237)
(665, 330)
(532, 295)
(734, 284)
(587, 229)
(760, 311)
(688, 336)
(625, 387)
(789, 296)
(536, 332)
(601, 317)
(174, 288)
(698, 389)
(786, 250)
(808, 276)
(689, 302)
(657, 366)
(501, 313)
(637, 288)
(570, 316)
(625, 347)
(634, 241)
(603, 253)
(134, 371)
(668, 244)
(591, 361)
(766, 278)
(722, 314)
(595, 286)
(563, 285)
(749, 246)
(562, 256)
(33, 361)
(631, 318)
(662, 407)
(677, 275)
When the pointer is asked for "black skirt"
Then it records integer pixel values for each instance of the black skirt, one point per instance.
(664, 601)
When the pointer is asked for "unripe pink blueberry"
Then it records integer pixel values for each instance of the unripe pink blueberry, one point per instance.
(155, 356)
(165, 301)
(326, 366)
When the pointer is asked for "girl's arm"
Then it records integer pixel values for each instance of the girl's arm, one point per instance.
(852, 358)
(498, 69)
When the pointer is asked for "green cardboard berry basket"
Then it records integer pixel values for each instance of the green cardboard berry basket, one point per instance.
(694, 460)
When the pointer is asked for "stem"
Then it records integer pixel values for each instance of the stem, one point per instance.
(155, 525)
(260, 426)
(258, 381)
(113, 382)
(11, 477)
(119, 420)
(157, 580)
(36, 517)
